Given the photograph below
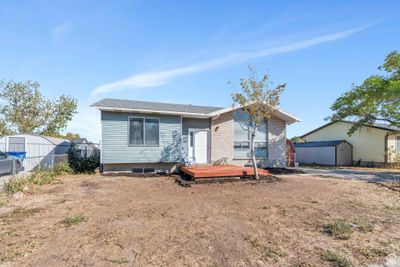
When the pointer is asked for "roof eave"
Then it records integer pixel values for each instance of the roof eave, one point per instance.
(145, 111)
(279, 113)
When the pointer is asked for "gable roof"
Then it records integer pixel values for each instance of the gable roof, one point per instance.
(320, 143)
(143, 106)
(279, 113)
(193, 111)
(79, 140)
(380, 126)
(56, 140)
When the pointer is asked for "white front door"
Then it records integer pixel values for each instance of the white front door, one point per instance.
(198, 145)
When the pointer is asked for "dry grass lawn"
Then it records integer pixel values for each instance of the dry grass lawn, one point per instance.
(91, 220)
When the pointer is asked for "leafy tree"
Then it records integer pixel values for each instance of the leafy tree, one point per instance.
(376, 99)
(296, 139)
(259, 101)
(23, 110)
(71, 136)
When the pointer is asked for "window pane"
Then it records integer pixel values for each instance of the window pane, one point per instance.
(261, 133)
(398, 144)
(237, 144)
(191, 139)
(152, 132)
(245, 145)
(16, 144)
(136, 131)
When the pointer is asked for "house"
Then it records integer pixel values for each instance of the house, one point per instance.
(83, 146)
(40, 151)
(147, 136)
(336, 152)
(373, 145)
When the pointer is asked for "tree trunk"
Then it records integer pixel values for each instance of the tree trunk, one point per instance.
(253, 155)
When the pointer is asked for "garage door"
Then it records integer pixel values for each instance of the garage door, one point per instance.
(317, 155)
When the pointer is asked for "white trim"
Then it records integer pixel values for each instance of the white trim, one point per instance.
(130, 110)
(208, 141)
(144, 131)
(279, 113)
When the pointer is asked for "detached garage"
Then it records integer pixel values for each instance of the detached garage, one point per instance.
(337, 152)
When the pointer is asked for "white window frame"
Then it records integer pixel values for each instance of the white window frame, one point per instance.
(144, 130)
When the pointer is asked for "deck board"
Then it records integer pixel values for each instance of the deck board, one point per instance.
(210, 171)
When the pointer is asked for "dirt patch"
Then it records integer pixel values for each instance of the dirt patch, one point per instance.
(153, 222)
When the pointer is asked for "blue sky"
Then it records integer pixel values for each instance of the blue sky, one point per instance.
(187, 51)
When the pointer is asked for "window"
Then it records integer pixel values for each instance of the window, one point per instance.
(398, 144)
(242, 129)
(16, 144)
(144, 131)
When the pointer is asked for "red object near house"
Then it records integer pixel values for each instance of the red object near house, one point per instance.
(290, 153)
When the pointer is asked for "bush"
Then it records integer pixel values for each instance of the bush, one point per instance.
(41, 177)
(15, 185)
(62, 168)
(82, 164)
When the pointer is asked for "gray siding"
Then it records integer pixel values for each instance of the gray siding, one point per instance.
(115, 148)
(192, 123)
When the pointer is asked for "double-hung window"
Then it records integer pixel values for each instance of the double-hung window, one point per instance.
(144, 131)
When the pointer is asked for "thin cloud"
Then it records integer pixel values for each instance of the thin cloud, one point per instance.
(62, 28)
(157, 78)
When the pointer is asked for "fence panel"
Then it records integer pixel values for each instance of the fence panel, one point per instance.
(7, 166)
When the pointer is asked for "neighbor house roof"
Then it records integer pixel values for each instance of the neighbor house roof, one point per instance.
(320, 143)
(56, 140)
(121, 105)
(79, 140)
(380, 126)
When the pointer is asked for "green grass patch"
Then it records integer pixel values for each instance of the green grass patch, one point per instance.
(339, 229)
(338, 260)
(365, 227)
(75, 219)
(119, 261)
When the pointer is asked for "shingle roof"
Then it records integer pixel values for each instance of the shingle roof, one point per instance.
(319, 143)
(79, 140)
(381, 126)
(153, 106)
(386, 126)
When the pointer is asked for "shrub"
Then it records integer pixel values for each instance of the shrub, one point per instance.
(41, 177)
(82, 164)
(62, 168)
(337, 259)
(71, 220)
(15, 185)
(38, 177)
(338, 229)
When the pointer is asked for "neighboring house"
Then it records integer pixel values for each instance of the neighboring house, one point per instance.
(149, 136)
(83, 146)
(336, 152)
(373, 145)
(40, 151)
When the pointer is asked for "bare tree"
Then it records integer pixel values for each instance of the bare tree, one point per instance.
(259, 99)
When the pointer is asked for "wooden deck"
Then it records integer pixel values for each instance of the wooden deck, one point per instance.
(211, 171)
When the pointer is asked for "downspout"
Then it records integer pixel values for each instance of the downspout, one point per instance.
(386, 148)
